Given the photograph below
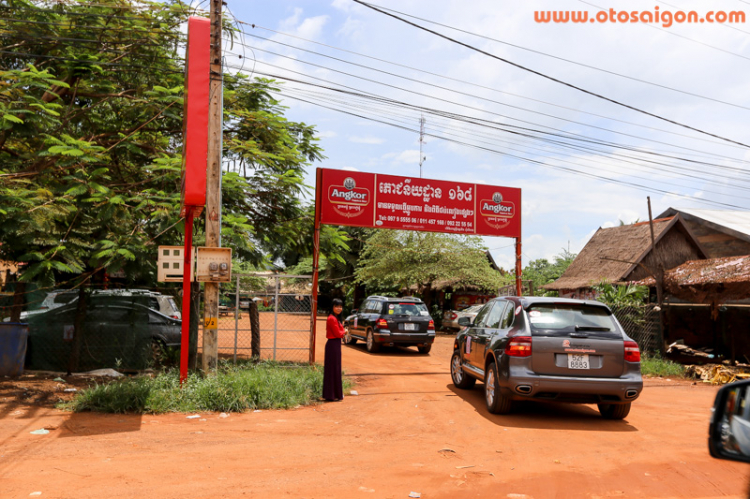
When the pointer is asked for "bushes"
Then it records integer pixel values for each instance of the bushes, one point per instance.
(265, 385)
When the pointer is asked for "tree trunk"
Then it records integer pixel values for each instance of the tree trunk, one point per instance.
(255, 330)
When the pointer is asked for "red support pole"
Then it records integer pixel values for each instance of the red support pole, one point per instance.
(519, 268)
(187, 267)
(316, 260)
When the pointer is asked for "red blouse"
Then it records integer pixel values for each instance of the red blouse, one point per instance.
(334, 329)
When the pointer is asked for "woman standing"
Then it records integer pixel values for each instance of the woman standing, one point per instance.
(332, 384)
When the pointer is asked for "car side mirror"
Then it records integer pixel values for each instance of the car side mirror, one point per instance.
(729, 430)
(464, 321)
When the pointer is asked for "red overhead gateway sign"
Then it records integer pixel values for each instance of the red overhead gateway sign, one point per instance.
(408, 203)
(389, 202)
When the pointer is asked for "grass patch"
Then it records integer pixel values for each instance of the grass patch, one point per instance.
(655, 365)
(234, 388)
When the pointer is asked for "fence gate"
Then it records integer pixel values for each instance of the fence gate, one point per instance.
(284, 305)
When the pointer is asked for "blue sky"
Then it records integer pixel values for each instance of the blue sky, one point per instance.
(561, 208)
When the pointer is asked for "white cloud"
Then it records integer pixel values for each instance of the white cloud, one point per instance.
(326, 134)
(366, 140)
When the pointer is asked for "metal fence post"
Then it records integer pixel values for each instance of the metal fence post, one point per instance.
(236, 315)
(275, 314)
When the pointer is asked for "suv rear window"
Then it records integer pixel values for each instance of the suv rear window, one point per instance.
(562, 319)
(408, 309)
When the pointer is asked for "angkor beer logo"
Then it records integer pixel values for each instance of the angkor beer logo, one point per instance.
(348, 199)
(497, 207)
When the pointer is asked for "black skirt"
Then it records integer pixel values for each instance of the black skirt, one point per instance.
(333, 388)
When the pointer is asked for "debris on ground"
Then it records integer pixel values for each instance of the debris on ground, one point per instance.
(59, 380)
(223, 415)
(415, 494)
(718, 374)
(70, 390)
(42, 431)
(194, 416)
(464, 467)
(101, 372)
(446, 449)
(353, 392)
(680, 347)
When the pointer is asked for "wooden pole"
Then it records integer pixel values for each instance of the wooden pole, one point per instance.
(519, 268)
(213, 189)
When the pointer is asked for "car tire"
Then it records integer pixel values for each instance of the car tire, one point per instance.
(425, 349)
(497, 403)
(348, 338)
(372, 347)
(614, 411)
(158, 352)
(460, 378)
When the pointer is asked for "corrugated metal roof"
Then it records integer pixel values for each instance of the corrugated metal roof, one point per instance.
(738, 221)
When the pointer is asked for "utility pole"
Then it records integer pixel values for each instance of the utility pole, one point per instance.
(213, 189)
(421, 141)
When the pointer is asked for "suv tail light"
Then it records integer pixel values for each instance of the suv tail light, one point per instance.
(381, 324)
(519, 346)
(452, 316)
(431, 325)
(632, 354)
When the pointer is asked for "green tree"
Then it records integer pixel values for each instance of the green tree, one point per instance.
(542, 271)
(393, 260)
(621, 296)
(91, 108)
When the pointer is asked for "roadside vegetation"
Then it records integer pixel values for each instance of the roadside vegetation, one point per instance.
(655, 365)
(234, 388)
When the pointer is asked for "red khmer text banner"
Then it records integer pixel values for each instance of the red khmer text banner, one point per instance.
(390, 202)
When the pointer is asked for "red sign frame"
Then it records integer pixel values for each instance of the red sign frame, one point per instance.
(380, 201)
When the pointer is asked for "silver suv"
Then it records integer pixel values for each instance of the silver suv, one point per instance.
(548, 349)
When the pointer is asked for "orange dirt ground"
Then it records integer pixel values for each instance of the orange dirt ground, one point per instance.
(408, 430)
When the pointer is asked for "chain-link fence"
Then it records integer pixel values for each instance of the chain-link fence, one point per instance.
(640, 322)
(283, 327)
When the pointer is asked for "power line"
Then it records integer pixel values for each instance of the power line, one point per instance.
(568, 135)
(551, 78)
(465, 82)
(595, 68)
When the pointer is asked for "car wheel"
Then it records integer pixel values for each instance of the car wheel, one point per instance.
(158, 353)
(497, 403)
(425, 349)
(372, 347)
(614, 411)
(348, 339)
(459, 377)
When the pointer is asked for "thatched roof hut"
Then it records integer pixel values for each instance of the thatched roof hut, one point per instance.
(720, 232)
(623, 254)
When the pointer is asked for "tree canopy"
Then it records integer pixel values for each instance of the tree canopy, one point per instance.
(91, 107)
(542, 271)
(399, 259)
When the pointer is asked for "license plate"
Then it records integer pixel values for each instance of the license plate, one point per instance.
(410, 327)
(578, 361)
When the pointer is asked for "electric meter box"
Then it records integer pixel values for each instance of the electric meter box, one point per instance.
(214, 264)
(170, 263)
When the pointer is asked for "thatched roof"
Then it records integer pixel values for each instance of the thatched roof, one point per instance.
(611, 255)
(712, 280)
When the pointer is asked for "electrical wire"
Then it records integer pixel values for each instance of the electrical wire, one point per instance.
(570, 61)
(474, 84)
(551, 78)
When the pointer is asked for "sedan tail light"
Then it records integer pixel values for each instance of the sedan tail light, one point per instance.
(452, 316)
(431, 325)
(632, 353)
(519, 346)
(381, 324)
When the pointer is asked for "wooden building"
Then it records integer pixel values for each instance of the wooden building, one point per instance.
(720, 232)
(623, 254)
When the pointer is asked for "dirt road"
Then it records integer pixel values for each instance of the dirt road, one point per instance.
(407, 431)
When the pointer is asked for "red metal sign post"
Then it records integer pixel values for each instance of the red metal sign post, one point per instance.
(195, 153)
(362, 199)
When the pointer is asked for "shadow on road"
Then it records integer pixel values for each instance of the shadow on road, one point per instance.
(85, 424)
(544, 415)
(394, 351)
